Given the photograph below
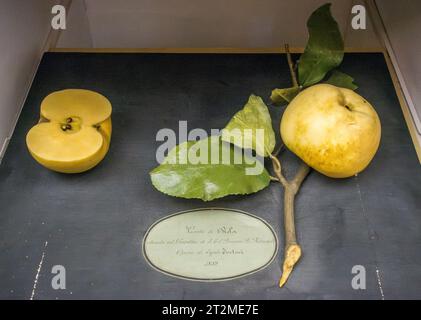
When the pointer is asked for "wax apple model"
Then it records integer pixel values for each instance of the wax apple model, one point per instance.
(326, 124)
(74, 131)
(334, 130)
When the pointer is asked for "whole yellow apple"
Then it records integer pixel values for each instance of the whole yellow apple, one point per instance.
(74, 131)
(334, 130)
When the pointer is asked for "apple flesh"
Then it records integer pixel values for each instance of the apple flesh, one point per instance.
(334, 130)
(74, 131)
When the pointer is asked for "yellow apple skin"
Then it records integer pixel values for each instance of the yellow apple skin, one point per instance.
(82, 164)
(77, 149)
(334, 130)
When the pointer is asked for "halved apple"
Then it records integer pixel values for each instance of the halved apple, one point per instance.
(74, 131)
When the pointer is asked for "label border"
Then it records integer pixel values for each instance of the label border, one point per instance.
(205, 279)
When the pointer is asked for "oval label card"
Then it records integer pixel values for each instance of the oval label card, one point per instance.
(210, 244)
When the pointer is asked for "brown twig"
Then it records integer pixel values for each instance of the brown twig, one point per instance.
(291, 66)
(276, 164)
(279, 150)
(292, 249)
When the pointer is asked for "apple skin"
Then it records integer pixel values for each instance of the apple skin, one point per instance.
(334, 130)
(83, 164)
(83, 144)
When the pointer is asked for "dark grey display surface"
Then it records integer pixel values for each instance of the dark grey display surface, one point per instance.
(93, 223)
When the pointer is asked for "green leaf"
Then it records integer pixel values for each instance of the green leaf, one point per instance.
(283, 96)
(224, 170)
(340, 79)
(245, 128)
(324, 50)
